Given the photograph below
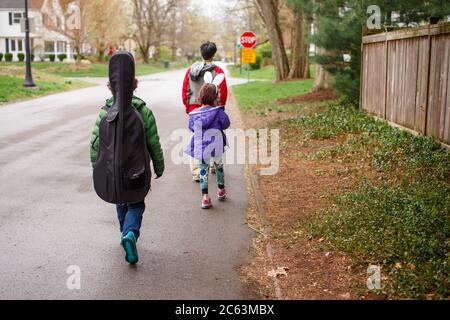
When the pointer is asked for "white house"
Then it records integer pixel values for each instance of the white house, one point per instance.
(43, 41)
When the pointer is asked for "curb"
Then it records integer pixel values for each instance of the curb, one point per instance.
(260, 206)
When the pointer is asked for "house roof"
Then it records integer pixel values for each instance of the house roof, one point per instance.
(20, 4)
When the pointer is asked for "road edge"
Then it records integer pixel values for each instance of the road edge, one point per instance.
(260, 205)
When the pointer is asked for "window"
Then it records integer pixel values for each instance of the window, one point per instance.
(20, 45)
(17, 16)
(13, 45)
(61, 46)
(49, 46)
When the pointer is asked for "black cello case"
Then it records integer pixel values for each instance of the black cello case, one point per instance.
(122, 172)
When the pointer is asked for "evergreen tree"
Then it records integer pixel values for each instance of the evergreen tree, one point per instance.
(339, 32)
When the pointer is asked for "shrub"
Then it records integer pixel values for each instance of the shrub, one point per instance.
(93, 58)
(265, 50)
(8, 57)
(32, 57)
(51, 57)
(21, 57)
(257, 64)
(62, 57)
(165, 53)
(1, 57)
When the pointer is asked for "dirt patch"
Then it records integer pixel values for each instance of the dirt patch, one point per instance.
(304, 186)
(316, 95)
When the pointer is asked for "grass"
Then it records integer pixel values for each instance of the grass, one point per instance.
(51, 77)
(13, 75)
(402, 222)
(11, 88)
(260, 96)
(265, 73)
(86, 70)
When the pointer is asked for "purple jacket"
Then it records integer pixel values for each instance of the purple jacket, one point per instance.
(208, 125)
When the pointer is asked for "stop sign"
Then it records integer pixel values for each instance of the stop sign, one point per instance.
(248, 39)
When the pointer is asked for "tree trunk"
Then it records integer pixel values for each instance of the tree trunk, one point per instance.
(300, 52)
(269, 12)
(77, 49)
(100, 53)
(145, 52)
(157, 55)
(322, 76)
(174, 53)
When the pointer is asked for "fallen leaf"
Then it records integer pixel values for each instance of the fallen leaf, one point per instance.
(278, 272)
(345, 296)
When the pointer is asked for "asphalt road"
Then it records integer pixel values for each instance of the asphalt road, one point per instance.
(50, 217)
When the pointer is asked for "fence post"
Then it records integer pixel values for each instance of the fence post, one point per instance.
(386, 44)
(427, 97)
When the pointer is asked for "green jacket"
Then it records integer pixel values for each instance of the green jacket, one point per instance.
(151, 132)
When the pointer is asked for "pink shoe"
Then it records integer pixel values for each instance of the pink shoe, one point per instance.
(222, 194)
(206, 203)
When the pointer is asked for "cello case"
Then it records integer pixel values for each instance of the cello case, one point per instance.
(122, 172)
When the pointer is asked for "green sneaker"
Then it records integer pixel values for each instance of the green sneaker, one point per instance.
(129, 245)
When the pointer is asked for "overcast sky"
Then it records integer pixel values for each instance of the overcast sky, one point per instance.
(211, 7)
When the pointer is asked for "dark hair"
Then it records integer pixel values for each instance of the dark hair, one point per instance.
(208, 50)
(208, 94)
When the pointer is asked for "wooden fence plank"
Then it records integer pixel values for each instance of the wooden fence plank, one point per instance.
(422, 85)
(438, 86)
(405, 79)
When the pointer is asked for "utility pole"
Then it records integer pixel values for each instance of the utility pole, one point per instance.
(29, 77)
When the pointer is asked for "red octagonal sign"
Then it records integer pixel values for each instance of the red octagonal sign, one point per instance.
(248, 39)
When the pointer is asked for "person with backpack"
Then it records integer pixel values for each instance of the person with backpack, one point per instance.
(193, 82)
(207, 146)
(123, 144)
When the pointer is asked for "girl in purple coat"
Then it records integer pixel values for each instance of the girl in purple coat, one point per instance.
(207, 146)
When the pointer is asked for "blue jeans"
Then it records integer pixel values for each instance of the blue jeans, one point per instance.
(130, 217)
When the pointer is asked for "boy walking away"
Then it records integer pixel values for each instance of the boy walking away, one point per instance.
(193, 81)
(124, 142)
(207, 146)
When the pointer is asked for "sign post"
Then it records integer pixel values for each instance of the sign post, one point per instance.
(248, 53)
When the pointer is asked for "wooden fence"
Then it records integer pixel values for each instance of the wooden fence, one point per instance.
(405, 78)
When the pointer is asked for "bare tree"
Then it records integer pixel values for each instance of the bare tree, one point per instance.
(322, 76)
(144, 29)
(67, 17)
(161, 20)
(151, 17)
(194, 28)
(101, 34)
(300, 49)
(268, 10)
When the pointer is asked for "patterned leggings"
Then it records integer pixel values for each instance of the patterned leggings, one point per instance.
(204, 173)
